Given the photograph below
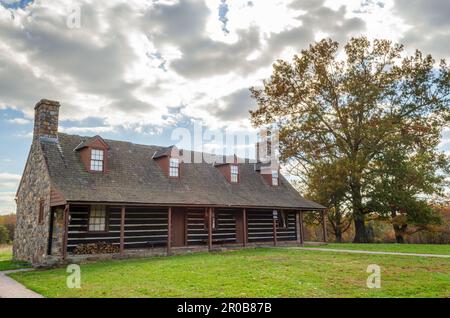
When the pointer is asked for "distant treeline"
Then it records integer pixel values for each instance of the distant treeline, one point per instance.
(7, 227)
(381, 231)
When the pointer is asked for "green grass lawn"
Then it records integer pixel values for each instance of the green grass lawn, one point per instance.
(260, 272)
(6, 262)
(402, 248)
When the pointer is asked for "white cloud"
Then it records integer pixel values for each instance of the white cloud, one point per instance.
(9, 176)
(25, 135)
(8, 185)
(86, 130)
(19, 121)
(133, 61)
(8, 181)
(429, 25)
(7, 203)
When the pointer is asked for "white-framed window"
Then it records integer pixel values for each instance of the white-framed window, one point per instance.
(283, 220)
(275, 177)
(234, 173)
(97, 218)
(97, 158)
(174, 167)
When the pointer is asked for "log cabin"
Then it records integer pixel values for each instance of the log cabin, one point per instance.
(144, 200)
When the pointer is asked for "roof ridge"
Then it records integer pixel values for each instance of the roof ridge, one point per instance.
(245, 159)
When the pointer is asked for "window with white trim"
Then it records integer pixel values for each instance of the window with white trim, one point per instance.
(97, 158)
(275, 177)
(97, 218)
(283, 220)
(234, 173)
(174, 167)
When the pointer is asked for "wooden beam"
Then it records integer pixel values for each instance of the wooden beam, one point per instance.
(50, 231)
(169, 231)
(298, 232)
(324, 225)
(302, 229)
(244, 227)
(274, 231)
(116, 204)
(66, 231)
(210, 229)
(122, 230)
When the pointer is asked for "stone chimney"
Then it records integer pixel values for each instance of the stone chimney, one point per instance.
(46, 113)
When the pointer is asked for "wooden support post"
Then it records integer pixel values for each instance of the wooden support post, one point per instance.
(299, 233)
(210, 229)
(244, 227)
(324, 225)
(66, 231)
(169, 231)
(274, 231)
(302, 230)
(122, 230)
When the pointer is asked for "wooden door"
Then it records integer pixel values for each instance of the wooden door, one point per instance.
(178, 227)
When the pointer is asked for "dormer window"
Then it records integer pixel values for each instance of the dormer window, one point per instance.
(274, 177)
(174, 167)
(97, 159)
(94, 154)
(234, 174)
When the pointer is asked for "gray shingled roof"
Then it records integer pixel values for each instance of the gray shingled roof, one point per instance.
(134, 177)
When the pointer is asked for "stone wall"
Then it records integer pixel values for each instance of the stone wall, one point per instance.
(31, 238)
(58, 232)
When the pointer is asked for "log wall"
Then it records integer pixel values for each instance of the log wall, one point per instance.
(260, 227)
(197, 230)
(144, 227)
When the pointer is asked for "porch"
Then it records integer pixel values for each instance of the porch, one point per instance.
(140, 231)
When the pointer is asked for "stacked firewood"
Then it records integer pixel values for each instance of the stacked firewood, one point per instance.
(96, 248)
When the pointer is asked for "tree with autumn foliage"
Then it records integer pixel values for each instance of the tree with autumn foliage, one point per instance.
(404, 180)
(351, 109)
(325, 183)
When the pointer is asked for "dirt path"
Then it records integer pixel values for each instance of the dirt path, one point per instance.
(370, 252)
(9, 288)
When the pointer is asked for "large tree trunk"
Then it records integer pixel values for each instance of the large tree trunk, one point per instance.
(360, 231)
(358, 214)
(338, 235)
(336, 225)
(400, 232)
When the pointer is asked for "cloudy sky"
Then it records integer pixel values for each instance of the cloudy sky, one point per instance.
(135, 70)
